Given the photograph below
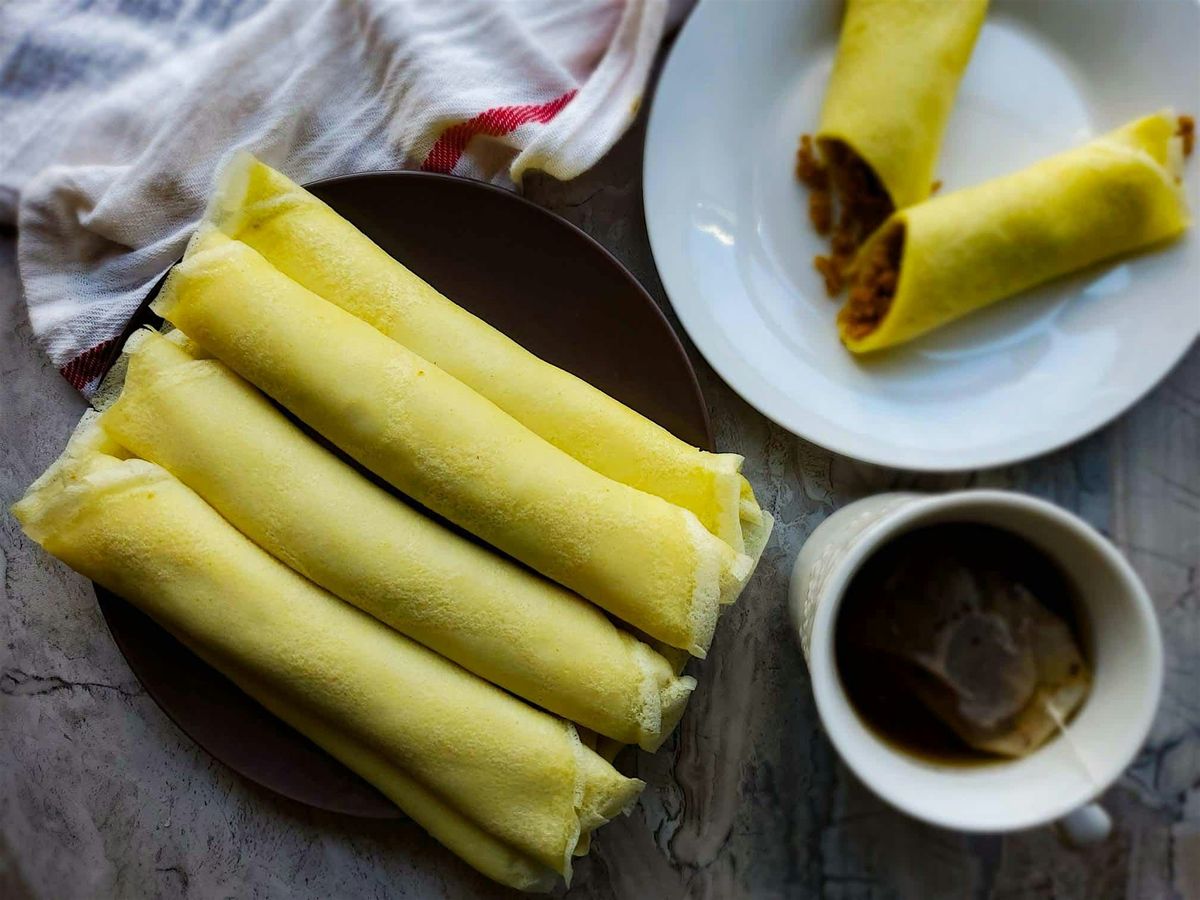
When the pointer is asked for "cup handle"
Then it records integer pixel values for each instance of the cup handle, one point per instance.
(1085, 826)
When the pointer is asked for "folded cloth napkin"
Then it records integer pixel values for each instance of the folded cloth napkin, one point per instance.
(115, 117)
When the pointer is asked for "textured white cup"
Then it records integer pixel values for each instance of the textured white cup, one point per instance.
(1060, 780)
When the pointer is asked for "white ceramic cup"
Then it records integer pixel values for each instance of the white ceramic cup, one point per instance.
(1057, 782)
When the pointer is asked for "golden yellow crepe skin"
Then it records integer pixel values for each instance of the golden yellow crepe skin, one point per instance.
(970, 248)
(454, 831)
(648, 562)
(309, 242)
(297, 500)
(444, 744)
(894, 79)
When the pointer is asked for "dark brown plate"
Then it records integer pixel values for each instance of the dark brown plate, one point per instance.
(538, 279)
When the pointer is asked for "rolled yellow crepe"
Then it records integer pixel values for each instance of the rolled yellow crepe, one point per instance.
(648, 562)
(939, 260)
(309, 242)
(507, 787)
(297, 500)
(894, 80)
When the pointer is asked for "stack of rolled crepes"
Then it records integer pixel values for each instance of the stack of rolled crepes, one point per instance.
(913, 263)
(445, 674)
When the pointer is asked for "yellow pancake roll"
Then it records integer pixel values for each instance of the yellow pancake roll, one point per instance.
(312, 244)
(646, 561)
(218, 435)
(894, 80)
(509, 788)
(939, 260)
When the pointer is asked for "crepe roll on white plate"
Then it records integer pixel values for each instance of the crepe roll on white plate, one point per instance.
(942, 259)
(509, 788)
(894, 80)
(299, 501)
(309, 242)
(646, 561)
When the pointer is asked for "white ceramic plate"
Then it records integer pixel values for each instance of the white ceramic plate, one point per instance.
(729, 229)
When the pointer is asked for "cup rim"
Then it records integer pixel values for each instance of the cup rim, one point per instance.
(834, 707)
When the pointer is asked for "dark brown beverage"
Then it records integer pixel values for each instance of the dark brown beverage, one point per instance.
(961, 644)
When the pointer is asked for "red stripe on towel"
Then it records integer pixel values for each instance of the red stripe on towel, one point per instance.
(87, 365)
(495, 122)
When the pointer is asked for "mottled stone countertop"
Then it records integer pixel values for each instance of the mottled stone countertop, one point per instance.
(101, 796)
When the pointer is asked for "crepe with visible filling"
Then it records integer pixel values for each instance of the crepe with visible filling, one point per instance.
(894, 80)
(312, 244)
(934, 262)
(507, 787)
(648, 562)
(300, 502)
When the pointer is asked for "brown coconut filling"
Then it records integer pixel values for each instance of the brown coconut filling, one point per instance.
(1187, 134)
(874, 284)
(846, 201)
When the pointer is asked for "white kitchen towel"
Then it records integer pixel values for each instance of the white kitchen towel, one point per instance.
(115, 116)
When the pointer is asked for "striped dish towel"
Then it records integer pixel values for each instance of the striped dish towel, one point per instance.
(115, 116)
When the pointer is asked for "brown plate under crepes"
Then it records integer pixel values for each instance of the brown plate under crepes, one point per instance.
(535, 277)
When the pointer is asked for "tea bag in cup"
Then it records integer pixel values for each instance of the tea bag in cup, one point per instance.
(961, 624)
